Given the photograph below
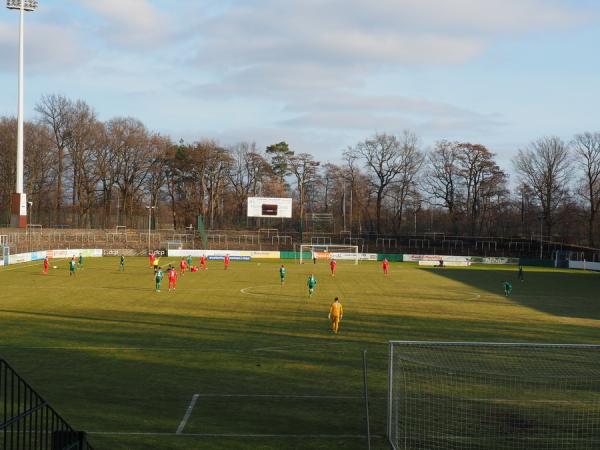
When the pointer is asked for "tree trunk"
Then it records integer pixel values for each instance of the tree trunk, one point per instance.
(378, 210)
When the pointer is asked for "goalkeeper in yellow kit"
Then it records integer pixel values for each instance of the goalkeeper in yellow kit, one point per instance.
(336, 312)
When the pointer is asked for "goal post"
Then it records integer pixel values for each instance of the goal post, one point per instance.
(4, 249)
(328, 252)
(505, 396)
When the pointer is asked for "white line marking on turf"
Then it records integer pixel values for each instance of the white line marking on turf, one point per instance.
(187, 415)
(299, 346)
(245, 290)
(234, 435)
(4, 269)
(341, 397)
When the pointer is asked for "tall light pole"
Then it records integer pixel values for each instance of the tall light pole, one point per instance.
(149, 208)
(19, 200)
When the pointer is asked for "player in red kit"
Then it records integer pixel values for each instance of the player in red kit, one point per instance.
(46, 264)
(173, 278)
(203, 262)
(151, 256)
(226, 261)
(182, 266)
(332, 266)
(385, 265)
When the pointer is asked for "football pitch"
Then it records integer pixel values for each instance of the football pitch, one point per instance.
(232, 359)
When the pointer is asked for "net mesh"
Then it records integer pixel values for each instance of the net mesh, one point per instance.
(329, 251)
(487, 396)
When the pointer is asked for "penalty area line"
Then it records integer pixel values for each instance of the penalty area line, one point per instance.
(187, 415)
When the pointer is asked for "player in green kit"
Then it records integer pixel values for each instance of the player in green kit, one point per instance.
(158, 278)
(189, 262)
(311, 283)
(72, 267)
(81, 261)
(521, 278)
(507, 288)
(122, 264)
(282, 274)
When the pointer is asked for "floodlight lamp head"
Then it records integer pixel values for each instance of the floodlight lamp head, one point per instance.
(28, 5)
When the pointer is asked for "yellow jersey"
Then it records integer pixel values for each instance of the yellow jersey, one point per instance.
(336, 309)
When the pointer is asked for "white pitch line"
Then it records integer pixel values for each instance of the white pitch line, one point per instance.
(4, 269)
(187, 415)
(341, 397)
(299, 346)
(233, 435)
(245, 290)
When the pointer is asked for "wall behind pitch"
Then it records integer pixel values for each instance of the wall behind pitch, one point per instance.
(584, 265)
(220, 254)
(392, 257)
(19, 258)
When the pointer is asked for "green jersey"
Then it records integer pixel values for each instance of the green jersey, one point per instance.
(282, 272)
(189, 261)
(122, 260)
(159, 276)
(312, 282)
(72, 265)
(80, 260)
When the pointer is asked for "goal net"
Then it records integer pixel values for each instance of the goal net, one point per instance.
(493, 396)
(328, 252)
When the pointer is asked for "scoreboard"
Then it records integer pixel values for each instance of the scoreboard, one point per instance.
(270, 207)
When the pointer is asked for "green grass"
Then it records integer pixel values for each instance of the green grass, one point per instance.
(123, 362)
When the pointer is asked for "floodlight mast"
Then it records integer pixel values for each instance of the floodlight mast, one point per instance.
(19, 200)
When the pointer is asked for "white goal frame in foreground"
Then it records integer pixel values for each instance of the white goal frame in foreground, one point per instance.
(501, 396)
(330, 251)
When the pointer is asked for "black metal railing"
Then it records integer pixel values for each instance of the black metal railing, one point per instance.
(28, 422)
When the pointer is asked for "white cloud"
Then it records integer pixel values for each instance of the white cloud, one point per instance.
(308, 55)
(47, 47)
(373, 32)
(131, 23)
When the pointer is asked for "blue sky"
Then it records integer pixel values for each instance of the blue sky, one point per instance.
(320, 74)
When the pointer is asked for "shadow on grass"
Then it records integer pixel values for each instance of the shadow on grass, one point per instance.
(560, 293)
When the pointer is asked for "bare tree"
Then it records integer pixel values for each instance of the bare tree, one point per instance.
(383, 158)
(587, 149)
(8, 145)
(129, 140)
(410, 163)
(157, 173)
(304, 168)
(480, 177)
(246, 170)
(215, 179)
(54, 111)
(85, 136)
(544, 166)
(38, 170)
(442, 179)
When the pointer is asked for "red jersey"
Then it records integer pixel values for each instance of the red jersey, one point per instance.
(227, 260)
(46, 263)
(202, 260)
(151, 256)
(182, 264)
(333, 263)
(172, 275)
